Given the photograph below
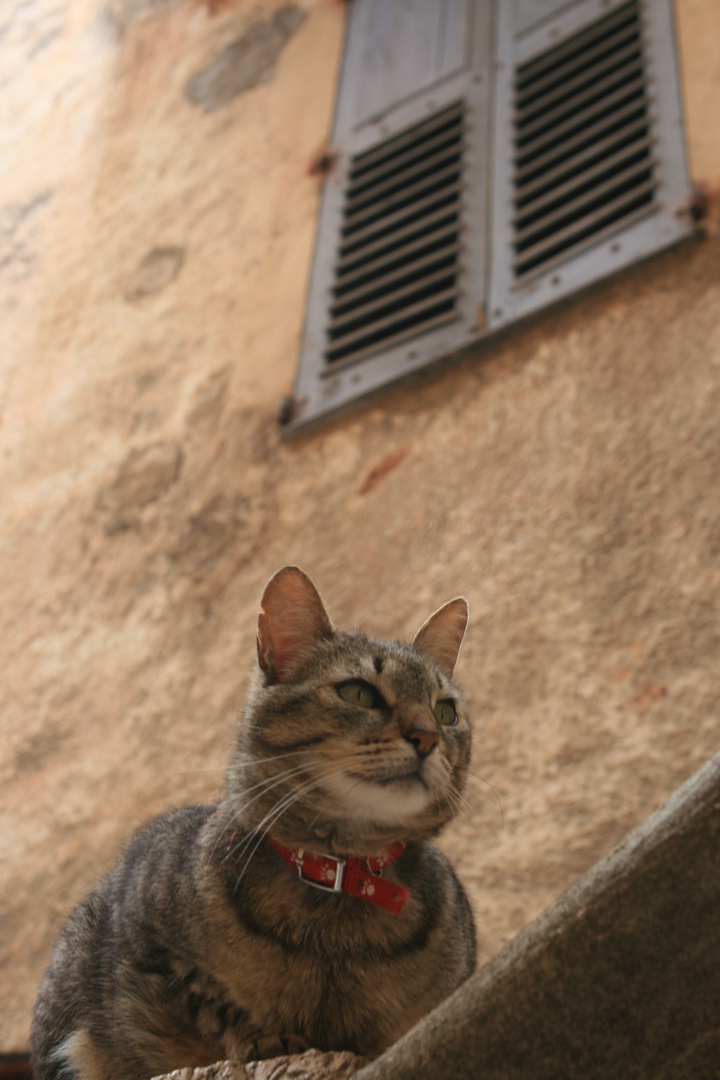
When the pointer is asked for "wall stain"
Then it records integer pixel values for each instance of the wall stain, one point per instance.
(246, 62)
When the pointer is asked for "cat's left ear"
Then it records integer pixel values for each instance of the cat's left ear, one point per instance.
(292, 620)
(442, 635)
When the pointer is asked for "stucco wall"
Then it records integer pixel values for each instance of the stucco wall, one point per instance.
(153, 262)
(698, 30)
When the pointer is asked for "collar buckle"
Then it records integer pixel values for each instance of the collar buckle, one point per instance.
(334, 873)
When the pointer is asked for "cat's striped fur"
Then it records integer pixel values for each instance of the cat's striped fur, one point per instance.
(203, 944)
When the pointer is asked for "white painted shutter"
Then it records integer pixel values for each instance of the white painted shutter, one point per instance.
(588, 158)
(491, 158)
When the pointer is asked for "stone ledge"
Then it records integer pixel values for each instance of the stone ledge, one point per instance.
(312, 1065)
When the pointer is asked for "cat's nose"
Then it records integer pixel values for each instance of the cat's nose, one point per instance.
(423, 734)
(423, 741)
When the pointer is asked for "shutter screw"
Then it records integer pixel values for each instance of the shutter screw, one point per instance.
(285, 410)
(323, 163)
(698, 208)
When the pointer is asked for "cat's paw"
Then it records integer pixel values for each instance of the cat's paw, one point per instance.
(271, 1046)
(295, 1044)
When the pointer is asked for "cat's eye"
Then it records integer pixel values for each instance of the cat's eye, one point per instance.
(445, 713)
(360, 693)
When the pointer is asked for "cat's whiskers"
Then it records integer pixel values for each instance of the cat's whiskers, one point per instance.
(239, 807)
(274, 815)
(266, 784)
(458, 797)
(435, 773)
(494, 792)
(185, 772)
(257, 834)
(464, 804)
(296, 793)
(247, 765)
(273, 757)
(371, 762)
(457, 803)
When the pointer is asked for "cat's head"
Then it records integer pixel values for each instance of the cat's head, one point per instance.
(349, 743)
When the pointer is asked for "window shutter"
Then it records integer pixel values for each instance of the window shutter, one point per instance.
(400, 256)
(588, 160)
(490, 158)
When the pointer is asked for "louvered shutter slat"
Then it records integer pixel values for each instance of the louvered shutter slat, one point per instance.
(402, 203)
(573, 162)
(442, 234)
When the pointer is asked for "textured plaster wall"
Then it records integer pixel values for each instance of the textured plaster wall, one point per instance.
(156, 227)
(698, 30)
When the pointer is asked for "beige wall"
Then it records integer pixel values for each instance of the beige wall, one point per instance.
(698, 30)
(565, 479)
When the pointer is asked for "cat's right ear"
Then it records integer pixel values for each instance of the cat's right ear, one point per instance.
(292, 620)
(442, 634)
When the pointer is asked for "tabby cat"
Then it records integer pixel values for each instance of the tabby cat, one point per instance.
(306, 910)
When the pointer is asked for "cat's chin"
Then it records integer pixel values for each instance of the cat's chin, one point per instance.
(389, 801)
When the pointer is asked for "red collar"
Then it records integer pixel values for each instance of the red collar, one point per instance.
(358, 877)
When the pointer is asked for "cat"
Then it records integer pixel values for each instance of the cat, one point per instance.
(307, 909)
